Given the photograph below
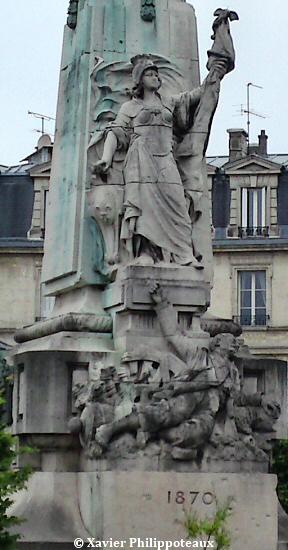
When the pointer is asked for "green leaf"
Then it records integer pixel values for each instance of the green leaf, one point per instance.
(11, 481)
(280, 467)
(211, 527)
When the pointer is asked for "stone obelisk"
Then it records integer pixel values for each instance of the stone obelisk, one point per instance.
(114, 30)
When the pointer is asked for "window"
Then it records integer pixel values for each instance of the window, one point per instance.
(252, 298)
(45, 206)
(253, 213)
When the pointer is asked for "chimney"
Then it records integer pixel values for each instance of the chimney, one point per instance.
(262, 140)
(238, 144)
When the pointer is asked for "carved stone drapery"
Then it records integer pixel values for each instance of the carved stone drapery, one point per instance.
(158, 220)
(148, 10)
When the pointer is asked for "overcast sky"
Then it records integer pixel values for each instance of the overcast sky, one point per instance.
(31, 41)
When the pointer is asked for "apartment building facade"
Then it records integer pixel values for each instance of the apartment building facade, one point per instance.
(249, 191)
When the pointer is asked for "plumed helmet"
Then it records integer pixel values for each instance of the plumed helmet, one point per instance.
(140, 64)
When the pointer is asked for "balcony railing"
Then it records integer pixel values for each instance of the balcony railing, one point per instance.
(259, 320)
(246, 232)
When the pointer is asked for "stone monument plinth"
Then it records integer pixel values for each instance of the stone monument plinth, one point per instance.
(134, 505)
(133, 398)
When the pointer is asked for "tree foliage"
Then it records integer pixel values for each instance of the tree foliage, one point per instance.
(280, 467)
(214, 529)
(11, 481)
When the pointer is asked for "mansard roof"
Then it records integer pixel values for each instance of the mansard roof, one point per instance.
(16, 205)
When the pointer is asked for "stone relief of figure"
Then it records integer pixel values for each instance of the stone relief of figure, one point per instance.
(189, 400)
(255, 417)
(161, 199)
(110, 83)
(99, 402)
(156, 224)
(245, 418)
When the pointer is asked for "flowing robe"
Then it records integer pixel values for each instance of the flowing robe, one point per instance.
(154, 192)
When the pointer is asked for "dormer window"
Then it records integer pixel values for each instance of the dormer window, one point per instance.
(253, 212)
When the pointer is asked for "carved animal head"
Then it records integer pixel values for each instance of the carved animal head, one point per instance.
(105, 211)
(148, 10)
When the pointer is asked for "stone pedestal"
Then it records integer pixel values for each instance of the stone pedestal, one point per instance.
(129, 505)
(51, 511)
(137, 505)
(45, 371)
(129, 302)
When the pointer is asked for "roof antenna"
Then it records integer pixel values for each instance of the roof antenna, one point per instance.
(43, 118)
(249, 111)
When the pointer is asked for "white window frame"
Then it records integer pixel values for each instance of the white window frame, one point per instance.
(253, 294)
(262, 264)
(244, 207)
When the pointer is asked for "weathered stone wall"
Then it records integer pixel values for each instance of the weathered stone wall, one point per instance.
(19, 290)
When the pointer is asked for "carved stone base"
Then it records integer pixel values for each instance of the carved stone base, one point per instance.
(45, 370)
(60, 507)
(137, 505)
(124, 456)
(129, 302)
(185, 287)
(50, 506)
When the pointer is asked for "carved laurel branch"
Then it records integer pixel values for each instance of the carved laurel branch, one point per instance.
(74, 322)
